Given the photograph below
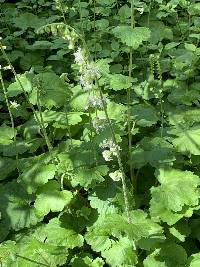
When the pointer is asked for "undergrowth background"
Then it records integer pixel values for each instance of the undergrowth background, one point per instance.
(100, 133)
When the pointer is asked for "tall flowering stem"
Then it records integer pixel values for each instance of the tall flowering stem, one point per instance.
(123, 177)
(133, 179)
(89, 76)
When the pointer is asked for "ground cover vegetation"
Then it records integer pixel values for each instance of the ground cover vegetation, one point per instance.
(99, 133)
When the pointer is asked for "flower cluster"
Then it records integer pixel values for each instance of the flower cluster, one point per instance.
(89, 72)
(80, 58)
(71, 37)
(111, 149)
(14, 104)
(94, 101)
(116, 176)
(99, 123)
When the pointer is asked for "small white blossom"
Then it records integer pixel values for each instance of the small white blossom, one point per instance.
(108, 143)
(79, 57)
(4, 47)
(99, 123)
(14, 104)
(7, 67)
(116, 176)
(94, 102)
(107, 155)
(110, 146)
(92, 71)
(141, 10)
(85, 83)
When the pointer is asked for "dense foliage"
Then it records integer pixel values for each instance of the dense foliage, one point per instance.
(100, 133)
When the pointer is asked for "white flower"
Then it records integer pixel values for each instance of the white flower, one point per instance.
(94, 102)
(99, 123)
(92, 72)
(112, 148)
(107, 155)
(141, 10)
(14, 104)
(85, 83)
(7, 67)
(116, 176)
(108, 143)
(79, 57)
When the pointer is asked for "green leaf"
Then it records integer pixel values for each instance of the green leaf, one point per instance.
(36, 175)
(181, 95)
(124, 12)
(6, 134)
(103, 65)
(57, 233)
(159, 31)
(139, 228)
(104, 198)
(113, 235)
(185, 117)
(177, 234)
(176, 197)
(119, 82)
(153, 261)
(194, 9)
(89, 177)
(190, 47)
(41, 45)
(7, 165)
(16, 208)
(132, 37)
(121, 254)
(19, 147)
(169, 255)
(32, 60)
(53, 91)
(154, 151)
(7, 254)
(171, 45)
(111, 250)
(34, 253)
(85, 259)
(61, 119)
(28, 20)
(194, 260)
(15, 89)
(50, 198)
(144, 115)
(187, 140)
(79, 99)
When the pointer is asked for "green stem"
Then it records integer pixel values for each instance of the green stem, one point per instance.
(94, 25)
(42, 123)
(62, 11)
(129, 103)
(124, 187)
(22, 88)
(11, 117)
